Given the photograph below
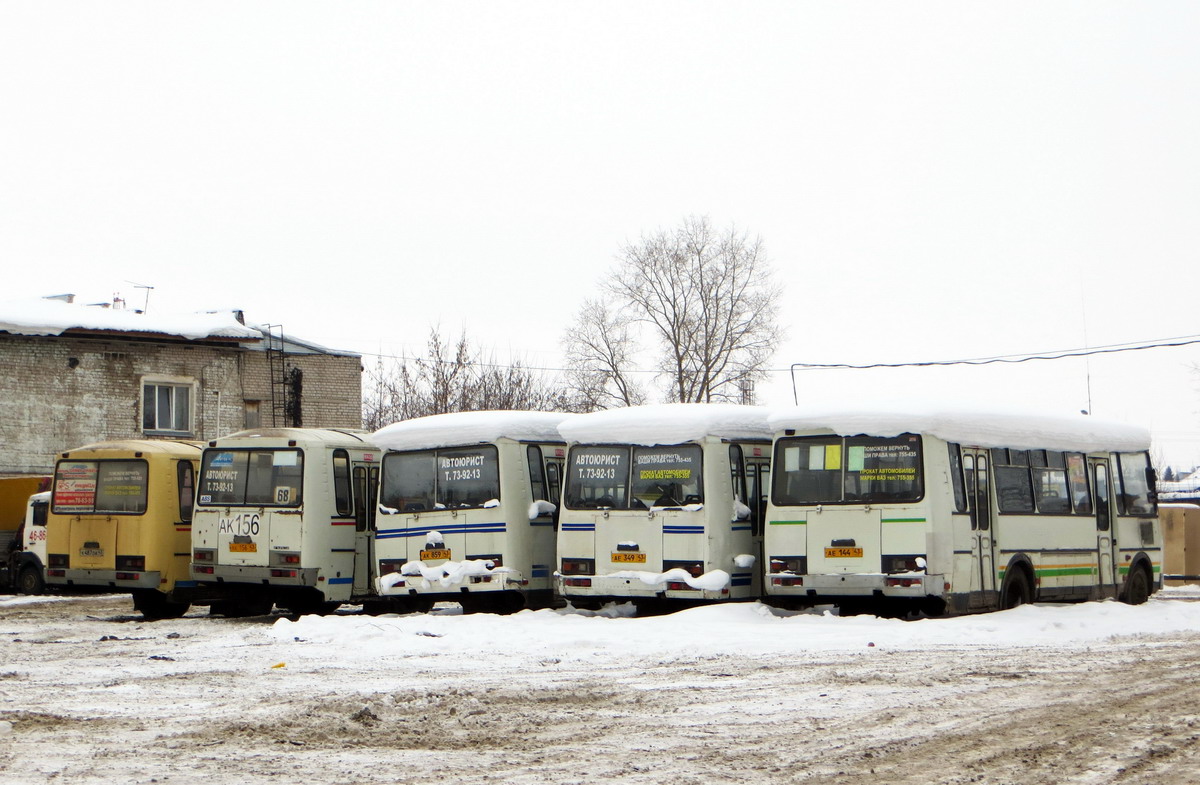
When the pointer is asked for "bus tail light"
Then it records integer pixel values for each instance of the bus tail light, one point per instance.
(58, 560)
(904, 582)
(285, 559)
(388, 566)
(692, 568)
(204, 554)
(584, 583)
(797, 565)
(204, 569)
(131, 564)
(283, 573)
(797, 581)
(579, 567)
(912, 562)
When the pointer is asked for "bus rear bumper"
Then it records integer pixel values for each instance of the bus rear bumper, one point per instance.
(109, 578)
(410, 585)
(270, 576)
(605, 588)
(899, 586)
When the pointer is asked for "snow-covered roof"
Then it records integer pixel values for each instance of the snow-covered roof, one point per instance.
(335, 436)
(668, 423)
(54, 317)
(1019, 430)
(462, 428)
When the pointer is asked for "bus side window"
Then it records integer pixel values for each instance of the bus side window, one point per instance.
(537, 478)
(187, 490)
(760, 478)
(341, 482)
(1077, 480)
(956, 478)
(737, 471)
(554, 484)
(361, 496)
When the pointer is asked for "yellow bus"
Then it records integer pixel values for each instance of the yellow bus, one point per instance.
(121, 518)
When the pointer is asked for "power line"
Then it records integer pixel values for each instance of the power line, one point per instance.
(1016, 358)
(1057, 354)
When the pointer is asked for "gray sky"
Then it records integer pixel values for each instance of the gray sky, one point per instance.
(932, 180)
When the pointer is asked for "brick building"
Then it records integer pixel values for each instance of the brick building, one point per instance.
(72, 375)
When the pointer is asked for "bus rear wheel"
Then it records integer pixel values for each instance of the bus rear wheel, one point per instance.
(1137, 587)
(30, 581)
(154, 605)
(1016, 590)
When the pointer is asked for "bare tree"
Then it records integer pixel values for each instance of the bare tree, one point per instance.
(599, 354)
(707, 297)
(454, 378)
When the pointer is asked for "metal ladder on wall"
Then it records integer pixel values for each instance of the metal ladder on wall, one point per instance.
(280, 410)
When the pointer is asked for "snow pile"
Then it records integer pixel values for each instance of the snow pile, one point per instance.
(53, 317)
(1015, 429)
(669, 423)
(463, 428)
(744, 629)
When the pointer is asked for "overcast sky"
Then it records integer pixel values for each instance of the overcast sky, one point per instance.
(933, 181)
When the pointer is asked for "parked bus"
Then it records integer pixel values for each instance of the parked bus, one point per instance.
(469, 509)
(285, 516)
(947, 512)
(663, 505)
(121, 518)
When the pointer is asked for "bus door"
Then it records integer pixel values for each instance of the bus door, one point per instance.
(364, 488)
(1105, 541)
(983, 543)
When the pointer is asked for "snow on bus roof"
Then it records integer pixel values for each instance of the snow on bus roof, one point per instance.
(53, 317)
(1017, 429)
(668, 423)
(461, 428)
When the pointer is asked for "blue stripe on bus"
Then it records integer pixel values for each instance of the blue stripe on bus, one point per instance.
(540, 574)
(683, 530)
(341, 580)
(579, 527)
(741, 528)
(739, 581)
(456, 528)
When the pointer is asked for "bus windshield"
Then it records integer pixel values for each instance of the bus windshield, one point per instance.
(856, 469)
(666, 476)
(598, 477)
(441, 479)
(259, 478)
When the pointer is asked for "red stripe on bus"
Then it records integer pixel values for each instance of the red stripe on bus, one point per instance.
(342, 523)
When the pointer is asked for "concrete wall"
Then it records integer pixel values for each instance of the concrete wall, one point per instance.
(61, 392)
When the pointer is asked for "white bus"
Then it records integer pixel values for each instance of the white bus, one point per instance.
(468, 507)
(950, 512)
(285, 516)
(663, 505)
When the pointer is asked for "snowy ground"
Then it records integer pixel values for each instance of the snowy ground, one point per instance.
(1092, 693)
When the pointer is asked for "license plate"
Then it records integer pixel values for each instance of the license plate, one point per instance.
(243, 547)
(629, 558)
(91, 551)
(435, 553)
(843, 553)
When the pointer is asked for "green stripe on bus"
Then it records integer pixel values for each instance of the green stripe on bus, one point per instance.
(788, 523)
(1059, 572)
(904, 520)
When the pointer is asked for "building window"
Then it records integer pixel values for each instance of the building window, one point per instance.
(166, 408)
